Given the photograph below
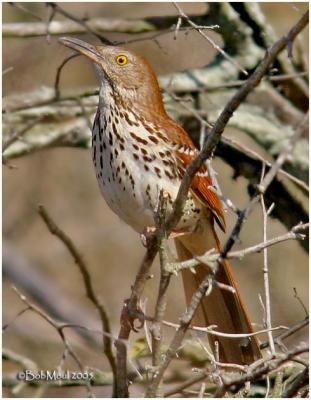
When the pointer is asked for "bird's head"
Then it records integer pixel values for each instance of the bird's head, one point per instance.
(126, 72)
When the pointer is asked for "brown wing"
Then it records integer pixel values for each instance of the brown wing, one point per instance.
(200, 188)
(185, 152)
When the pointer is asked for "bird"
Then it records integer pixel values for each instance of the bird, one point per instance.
(139, 151)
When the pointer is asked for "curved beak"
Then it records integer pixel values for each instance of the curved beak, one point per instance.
(84, 48)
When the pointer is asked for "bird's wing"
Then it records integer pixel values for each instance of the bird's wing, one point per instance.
(185, 152)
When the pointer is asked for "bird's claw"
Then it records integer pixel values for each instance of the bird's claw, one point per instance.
(147, 234)
(129, 320)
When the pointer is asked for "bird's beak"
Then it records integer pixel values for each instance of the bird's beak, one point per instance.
(84, 48)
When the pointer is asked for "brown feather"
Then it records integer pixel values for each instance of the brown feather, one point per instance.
(221, 307)
(200, 187)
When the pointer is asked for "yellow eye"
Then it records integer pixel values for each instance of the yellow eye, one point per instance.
(121, 60)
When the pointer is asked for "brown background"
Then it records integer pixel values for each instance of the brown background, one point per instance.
(63, 180)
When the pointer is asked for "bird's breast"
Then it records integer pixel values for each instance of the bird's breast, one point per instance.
(133, 163)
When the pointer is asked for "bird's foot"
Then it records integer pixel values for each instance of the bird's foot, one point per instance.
(128, 317)
(147, 234)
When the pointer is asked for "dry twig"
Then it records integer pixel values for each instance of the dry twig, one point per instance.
(267, 318)
(91, 294)
(227, 113)
(59, 327)
(219, 49)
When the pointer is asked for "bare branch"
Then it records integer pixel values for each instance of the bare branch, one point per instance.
(301, 302)
(257, 156)
(55, 230)
(268, 323)
(59, 328)
(20, 132)
(219, 49)
(156, 327)
(294, 233)
(58, 74)
(26, 29)
(204, 289)
(227, 113)
(57, 8)
(301, 379)
(291, 331)
(25, 362)
(277, 389)
(283, 156)
(25, 10)
(210, 331)
(211, 256)
(129, 308)
(267, 365)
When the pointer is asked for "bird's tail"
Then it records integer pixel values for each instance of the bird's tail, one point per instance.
(221, 307)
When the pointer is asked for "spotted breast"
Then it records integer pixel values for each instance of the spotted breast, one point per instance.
(134, 160)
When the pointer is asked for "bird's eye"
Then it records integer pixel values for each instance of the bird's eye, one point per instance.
(121, 60)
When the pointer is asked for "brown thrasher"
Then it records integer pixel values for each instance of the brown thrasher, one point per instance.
(138, 150)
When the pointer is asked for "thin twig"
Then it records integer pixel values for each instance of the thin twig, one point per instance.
(219, 49)
(261, 189)
(24, 361)
(253, 154)
(20, 313)
(160, 308)
(58, 74)
(156, 35)
(129, 308)
(227, 113)
(295, 328)
(284, 154)
(91, 294)
(301, 379)
(294, 233)
(59, 328)
(297, 297)
(25, 10)
(190, 382)
(238, 83)
(20, 133)
(7, 70)
(277, 388)
(48, 23)
(184, 104)
(269, 364)
(204, 289)
(79, 21)
(211, 331)
(268, 323)
(211, 256)
(70, 26)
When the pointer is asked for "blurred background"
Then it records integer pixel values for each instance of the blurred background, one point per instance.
(63, 181)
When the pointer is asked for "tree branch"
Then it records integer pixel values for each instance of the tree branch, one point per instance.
(231, 106)
(55, 230)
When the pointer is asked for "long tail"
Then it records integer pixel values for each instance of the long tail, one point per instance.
(221, 307)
